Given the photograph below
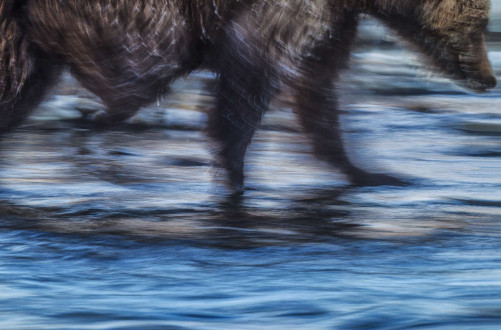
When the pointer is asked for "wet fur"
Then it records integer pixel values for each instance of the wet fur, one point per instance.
(128, 51)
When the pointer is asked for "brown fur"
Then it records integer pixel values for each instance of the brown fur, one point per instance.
(128, 51)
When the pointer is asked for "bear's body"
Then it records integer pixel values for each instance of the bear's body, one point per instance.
(128, 51)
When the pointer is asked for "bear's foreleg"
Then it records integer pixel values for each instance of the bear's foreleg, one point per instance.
(315, 102)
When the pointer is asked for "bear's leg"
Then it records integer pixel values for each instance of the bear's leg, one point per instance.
(26, 93)
(122, 94)
(126, 81)
(316, 106)
(242, 97)
(315, 101)
(118, 109)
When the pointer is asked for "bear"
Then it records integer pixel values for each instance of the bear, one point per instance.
(129, 51)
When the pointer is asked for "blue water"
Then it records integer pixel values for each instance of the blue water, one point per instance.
(109, 281)
(132, 228)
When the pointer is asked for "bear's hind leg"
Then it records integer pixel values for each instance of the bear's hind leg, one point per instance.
(122, 94)
(26, 93)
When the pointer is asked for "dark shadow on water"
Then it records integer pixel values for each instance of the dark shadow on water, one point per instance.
(304, 220)
(229, 223)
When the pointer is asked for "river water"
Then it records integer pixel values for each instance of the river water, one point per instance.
(131, 228)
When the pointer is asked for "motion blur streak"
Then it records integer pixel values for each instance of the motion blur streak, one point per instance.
(125, 228)
(127, 52)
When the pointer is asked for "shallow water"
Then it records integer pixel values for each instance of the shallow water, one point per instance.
(132, 227)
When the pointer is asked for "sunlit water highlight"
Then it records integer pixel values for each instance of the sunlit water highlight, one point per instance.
(132, 227)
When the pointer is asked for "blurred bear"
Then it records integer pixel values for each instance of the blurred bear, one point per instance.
(128, 51)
